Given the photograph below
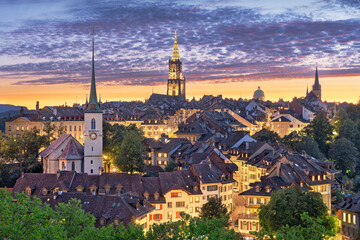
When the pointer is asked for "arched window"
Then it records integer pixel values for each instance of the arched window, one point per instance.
(63, 166)
(73, 166)
(93, 123)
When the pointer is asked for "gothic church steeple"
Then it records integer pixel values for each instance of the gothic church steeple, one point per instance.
(176, 81)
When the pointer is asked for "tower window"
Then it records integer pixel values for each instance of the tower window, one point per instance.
(93, 123)
(73, 166)
(91, 171)
(92, 148)
(91, 162)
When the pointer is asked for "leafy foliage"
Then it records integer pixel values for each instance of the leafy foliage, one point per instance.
(321, 131)
(213, 209)
(286, 207)
(131, 153)
(299, 142)
(345, 155)
(28, 218)
(267, 136)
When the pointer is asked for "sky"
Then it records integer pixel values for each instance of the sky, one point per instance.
(226, 47)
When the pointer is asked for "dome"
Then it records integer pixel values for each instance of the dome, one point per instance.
(259, 94)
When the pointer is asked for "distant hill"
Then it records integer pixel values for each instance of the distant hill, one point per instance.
(5, 109)
(8, 107)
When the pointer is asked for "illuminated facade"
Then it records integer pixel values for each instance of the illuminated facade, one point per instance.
(176, 82)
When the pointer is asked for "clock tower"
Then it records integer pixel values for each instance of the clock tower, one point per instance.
(93, 121)
(176, 82)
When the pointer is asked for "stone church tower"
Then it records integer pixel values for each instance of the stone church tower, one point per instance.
(176, 82)
(93, 121)
(316, 88)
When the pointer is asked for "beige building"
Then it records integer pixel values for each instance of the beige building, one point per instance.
(283, 124)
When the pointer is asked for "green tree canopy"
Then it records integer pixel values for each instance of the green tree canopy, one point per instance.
(321, 131)
(131, 153)
(28, 218)
(267, 136)
(299, 141)
(213, 209)
(287, 205)
(345, 155)
(348, 129)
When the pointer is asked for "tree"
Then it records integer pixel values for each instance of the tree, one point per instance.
(49, 130)
(348, 129)
(287, 205)
(321, 131)
(267, 136)
(311, 147)
(171, 166)
(299, 142)
(131, 153)
(310, 229)
(345, 155)
(29, 218)
(213, 209)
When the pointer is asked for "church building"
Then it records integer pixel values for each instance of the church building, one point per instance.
(316, 89)
(67, 154)
(176, 81)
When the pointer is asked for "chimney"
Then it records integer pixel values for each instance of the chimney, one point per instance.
(37, 106)
(22, 111)
(55, 111)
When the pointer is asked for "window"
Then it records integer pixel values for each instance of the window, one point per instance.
(169, 215)
(92, 148)
(175, 194)
(91, 162)
(116, 221)
(73, 166)
(349, 218)
(197, 199)
(44, 191)
(74, 128)
(70, 128)
(191, 199)
(180, 204)
(354, 219)
(28, 191)
(197, 209)
(93, 125)
(225, 189)
(169, 204)
(9, 128)
(91, 171)
(212, 188)
(63, 166)
(344, 217)
(79, 128)
(191, 209)
(102, 221)
(157, 217)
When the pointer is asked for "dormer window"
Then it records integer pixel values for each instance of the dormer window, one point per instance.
(116, 221)
(102, 221)
(44, 191)
(146, 195)
(28, 191)
(257, 189)
(79, 188)
(319, 177)
(267, 189)
(156, 196)
(196, 188)
(107, 188)
(324, 177)
(313, 178)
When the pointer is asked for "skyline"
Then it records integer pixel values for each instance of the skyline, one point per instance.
(46, 56)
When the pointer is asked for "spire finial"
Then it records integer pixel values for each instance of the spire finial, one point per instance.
(175, 55)
(93, 103)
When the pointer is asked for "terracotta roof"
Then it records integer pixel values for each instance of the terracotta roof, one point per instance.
(73, 151)
(54, 145)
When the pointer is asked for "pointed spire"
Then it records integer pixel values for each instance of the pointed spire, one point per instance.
(316, 85)
(307, 89)
(86, 103)
(93, 105)
(175, 55)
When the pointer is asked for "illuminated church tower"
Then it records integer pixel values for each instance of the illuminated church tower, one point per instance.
(316, 88)
(93, 121)
(176, 82)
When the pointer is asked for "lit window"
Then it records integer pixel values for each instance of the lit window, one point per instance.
(344, 217)
(349, 218)
(197, 199)
(191, 199)
(354, 219)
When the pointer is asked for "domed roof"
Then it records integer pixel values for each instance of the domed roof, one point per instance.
(259, 94)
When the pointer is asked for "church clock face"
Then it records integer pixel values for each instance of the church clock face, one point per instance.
(93, 135)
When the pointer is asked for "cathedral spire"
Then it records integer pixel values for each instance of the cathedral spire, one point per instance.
(175, 55)
(307, 89)
(316, 85)
(93, 105)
